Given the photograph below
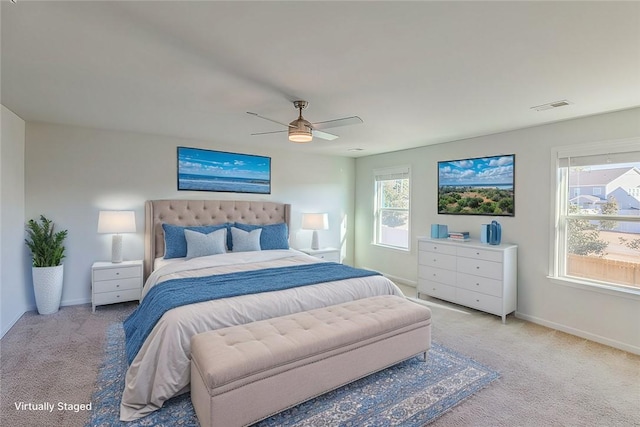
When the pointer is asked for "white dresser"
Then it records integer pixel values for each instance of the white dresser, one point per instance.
(112, 283)
(473, 274)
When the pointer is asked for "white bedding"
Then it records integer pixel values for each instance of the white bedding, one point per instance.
(161, 369)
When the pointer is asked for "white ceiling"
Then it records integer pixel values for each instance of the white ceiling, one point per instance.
(417, 73)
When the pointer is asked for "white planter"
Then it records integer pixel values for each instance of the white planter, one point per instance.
(47, 286)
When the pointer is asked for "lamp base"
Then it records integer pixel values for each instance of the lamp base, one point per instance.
(116, 248)
(314, 241)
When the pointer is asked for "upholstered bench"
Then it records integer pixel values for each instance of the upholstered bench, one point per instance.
(245, 373)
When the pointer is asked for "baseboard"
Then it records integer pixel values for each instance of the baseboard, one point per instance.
(13, 322)
(580, 333)
(75, 302)
(395, 279)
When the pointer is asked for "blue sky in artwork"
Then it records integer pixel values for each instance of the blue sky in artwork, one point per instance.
(489, 171)
(222, 164)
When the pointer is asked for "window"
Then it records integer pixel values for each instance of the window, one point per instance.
(597, 191)
(391, 221)
(597, 237)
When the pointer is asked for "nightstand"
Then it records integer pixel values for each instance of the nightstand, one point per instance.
(327, 254)
(112, 283)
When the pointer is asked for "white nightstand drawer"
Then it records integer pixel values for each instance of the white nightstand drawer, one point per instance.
(437, 290)
(112, 283)
(116, 273)
(115, 297)
(436, 247)
(486, 255)
(326, 254)
(476, 267)
(479, 301)
(448, 277)
(480, 284)
(116, 285)
(439, 260)
(329, 256)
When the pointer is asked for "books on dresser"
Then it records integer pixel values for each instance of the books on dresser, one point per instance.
(459, 235)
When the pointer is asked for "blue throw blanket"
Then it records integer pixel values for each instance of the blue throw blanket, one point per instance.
(178, 292)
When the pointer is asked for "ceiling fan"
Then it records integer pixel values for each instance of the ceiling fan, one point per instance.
(301, 130)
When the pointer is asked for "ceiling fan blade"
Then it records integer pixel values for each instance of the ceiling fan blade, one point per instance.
(346, 121)
(323, 135)
(265, 133)
(271, 120)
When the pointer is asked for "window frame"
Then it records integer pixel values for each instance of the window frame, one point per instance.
(559, 199)
(377, 210)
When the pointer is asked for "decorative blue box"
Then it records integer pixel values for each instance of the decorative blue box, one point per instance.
(439, 231)
(485, 232)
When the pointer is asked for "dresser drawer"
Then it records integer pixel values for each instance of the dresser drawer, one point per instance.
(437, 290)
(480, 284)
(116, 285)
(476, 267)
(447, 277)
(439, 260)
(482, 254)
(114, 297)
(116, 273)
(436, 247)
(479, 301)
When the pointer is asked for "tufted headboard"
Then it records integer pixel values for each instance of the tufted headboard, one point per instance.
(203, 212)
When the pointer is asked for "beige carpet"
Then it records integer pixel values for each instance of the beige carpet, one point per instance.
(548, 378)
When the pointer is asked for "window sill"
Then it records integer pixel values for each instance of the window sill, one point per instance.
(596, 287)
(395, 248)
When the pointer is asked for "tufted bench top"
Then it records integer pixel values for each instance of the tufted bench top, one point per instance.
(238, 352)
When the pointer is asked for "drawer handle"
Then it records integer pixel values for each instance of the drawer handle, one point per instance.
(435, 260)
(477, 267)
(477, 253)
(434, 274)
(477, 300)
(477, 284)
(117, 296)
(117, 286)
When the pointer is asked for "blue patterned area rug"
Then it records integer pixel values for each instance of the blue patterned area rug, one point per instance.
(412, 393)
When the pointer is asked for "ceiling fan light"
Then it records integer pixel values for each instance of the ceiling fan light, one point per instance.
(300, 135)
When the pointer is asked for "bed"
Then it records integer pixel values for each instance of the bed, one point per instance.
(160, 366)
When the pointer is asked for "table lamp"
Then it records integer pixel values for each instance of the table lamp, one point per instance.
(116, 222)
(315, 222)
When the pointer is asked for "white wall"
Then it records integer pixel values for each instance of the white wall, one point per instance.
(72, 173)
(604, 318)
(15, 295)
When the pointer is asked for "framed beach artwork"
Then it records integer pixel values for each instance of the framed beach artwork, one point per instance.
(208, 170)
(477, 186)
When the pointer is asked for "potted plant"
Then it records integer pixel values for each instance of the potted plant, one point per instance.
(47, 249)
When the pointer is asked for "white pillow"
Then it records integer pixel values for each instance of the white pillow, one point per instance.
(245, 241)
(200, 244)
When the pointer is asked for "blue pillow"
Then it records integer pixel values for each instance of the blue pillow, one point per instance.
(274, 236)
(199, 244)
(175, 244)
(245, 241)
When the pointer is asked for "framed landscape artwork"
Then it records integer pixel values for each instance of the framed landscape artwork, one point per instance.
(477, 186)
(208, 170)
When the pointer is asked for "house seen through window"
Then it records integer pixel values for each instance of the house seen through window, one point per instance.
(598, 215)
(392, 194)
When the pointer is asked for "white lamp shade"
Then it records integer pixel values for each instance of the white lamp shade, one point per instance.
(315, 221)
(117, 222)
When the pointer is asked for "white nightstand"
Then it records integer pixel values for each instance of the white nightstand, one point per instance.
(327, 254)
(112, 283)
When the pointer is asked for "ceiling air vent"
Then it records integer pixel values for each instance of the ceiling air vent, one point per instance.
(551, 105)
